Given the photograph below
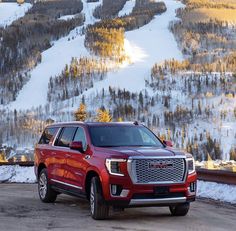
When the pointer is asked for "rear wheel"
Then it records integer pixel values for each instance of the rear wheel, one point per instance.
(180, 209)
(46, 193)
(98, 208)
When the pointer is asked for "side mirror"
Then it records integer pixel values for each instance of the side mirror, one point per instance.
(77, 145)
(168, 143)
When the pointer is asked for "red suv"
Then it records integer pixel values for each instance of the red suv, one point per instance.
(113, 164)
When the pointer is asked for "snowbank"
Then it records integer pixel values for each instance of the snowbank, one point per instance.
(216, 191)
(10, 12)
(17, 174)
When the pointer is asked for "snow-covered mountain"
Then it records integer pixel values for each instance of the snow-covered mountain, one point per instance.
(151, 98)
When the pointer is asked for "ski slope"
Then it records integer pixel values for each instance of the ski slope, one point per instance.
(53, 62)
(147, 45)
(11, 11)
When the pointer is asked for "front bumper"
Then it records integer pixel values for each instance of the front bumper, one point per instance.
(145, 195)
(158, 202)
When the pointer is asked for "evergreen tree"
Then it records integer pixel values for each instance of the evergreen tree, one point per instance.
(103, 115)
(80, 114)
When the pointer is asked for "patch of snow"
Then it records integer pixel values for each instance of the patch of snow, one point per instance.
(88, 9)
(17, 174)
(10, 12)
(127, 9)
(216, 191)
(68, 17)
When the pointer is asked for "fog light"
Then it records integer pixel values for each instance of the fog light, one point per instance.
(113, 189)
(192, 188)
(116, 190)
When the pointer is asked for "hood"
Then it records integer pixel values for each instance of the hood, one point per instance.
(126, 152)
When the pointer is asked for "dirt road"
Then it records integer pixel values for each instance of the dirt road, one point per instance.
(20, 209)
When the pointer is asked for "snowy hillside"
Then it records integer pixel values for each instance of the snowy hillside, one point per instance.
(140, 46)
(158, 80)
(147, 45)
(66, 48)
(9, 12)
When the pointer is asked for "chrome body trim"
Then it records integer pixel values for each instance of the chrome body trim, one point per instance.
(158, 201)
(71, 185)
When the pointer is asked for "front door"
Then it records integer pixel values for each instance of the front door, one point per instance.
(76, 164)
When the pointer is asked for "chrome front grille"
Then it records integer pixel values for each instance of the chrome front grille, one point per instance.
(157, 170)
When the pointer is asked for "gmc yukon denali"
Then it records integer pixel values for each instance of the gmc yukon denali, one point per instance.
(117, 165)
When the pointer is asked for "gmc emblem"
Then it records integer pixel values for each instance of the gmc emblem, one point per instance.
(161, 164)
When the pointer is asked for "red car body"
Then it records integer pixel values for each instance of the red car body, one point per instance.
(71, 169)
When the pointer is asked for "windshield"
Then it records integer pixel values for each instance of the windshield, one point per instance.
(113, 136)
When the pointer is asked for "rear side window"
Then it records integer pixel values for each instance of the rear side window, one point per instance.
(66, 137)
(47, 135)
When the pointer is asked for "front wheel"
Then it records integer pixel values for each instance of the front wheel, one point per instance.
(46, 193)
(99, 209)
(180, 209)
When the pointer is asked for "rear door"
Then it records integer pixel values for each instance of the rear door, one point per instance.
(76, 164)
(60, 153)
(43, 150)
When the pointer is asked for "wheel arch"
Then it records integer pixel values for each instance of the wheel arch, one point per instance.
(90, 174)
(40, 168)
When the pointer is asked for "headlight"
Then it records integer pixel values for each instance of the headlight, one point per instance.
(191, 165)
(114, 166)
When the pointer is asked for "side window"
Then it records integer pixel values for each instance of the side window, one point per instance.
(47, 135)
(66, 137)
(80, 136)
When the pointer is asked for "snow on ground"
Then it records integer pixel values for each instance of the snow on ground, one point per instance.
(216, 191)
(17, 174)
(127, 9)
(9, 12)
(53, 62)
(149, 44)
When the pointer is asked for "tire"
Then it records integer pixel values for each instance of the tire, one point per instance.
(46, 193)
(98, 208)
(180, 209)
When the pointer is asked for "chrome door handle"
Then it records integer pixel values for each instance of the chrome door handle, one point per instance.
(68, 155)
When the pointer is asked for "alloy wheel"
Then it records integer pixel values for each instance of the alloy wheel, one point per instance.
(42, 185)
